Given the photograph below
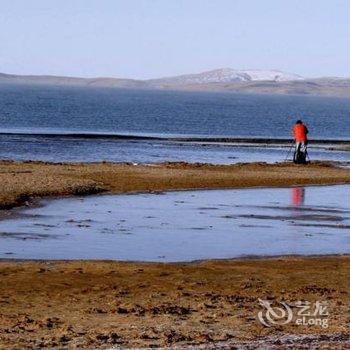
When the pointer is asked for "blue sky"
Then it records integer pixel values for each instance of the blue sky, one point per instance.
(154, 38)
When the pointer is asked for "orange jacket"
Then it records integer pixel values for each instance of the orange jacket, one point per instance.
(300, 132)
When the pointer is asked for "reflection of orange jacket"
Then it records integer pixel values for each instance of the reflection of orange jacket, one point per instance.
(300, 131)
(298, 195)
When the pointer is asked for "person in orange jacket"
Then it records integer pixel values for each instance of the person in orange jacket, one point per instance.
(300, 132)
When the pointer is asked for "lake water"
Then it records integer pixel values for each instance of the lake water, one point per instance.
(183, 226)
(38, 123)
(26, 111)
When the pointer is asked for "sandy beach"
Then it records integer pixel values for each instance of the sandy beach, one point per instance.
(92, 305)
(22, 181)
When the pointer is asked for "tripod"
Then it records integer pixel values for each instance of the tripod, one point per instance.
(300, 157)
(290, 149)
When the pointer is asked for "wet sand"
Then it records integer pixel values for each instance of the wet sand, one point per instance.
(341, 148)
(21, 181)
(99, 304)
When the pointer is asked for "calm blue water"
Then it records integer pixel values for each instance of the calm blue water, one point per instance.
(60, 110)
(183, 226)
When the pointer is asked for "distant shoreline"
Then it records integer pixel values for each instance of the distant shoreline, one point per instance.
(202, 82)
(199, 139)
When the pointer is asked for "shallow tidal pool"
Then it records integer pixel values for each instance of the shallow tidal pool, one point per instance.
(183, 226)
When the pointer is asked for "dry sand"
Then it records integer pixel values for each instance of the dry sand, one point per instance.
(20, 181)
(94, 305)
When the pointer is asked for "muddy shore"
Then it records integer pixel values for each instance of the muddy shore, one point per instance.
(213, 304)
(90, 305)
(21, 181)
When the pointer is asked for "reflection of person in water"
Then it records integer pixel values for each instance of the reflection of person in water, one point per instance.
(298, 195)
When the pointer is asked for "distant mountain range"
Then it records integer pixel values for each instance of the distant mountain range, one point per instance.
(229, 75)
(225, 79)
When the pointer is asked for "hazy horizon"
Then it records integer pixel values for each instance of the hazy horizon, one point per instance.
(195, 72)
(145, 39)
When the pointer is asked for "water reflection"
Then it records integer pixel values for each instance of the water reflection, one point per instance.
(298, 196)
(183, 226)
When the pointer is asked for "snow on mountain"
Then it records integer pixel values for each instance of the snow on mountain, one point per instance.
(227, 75)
